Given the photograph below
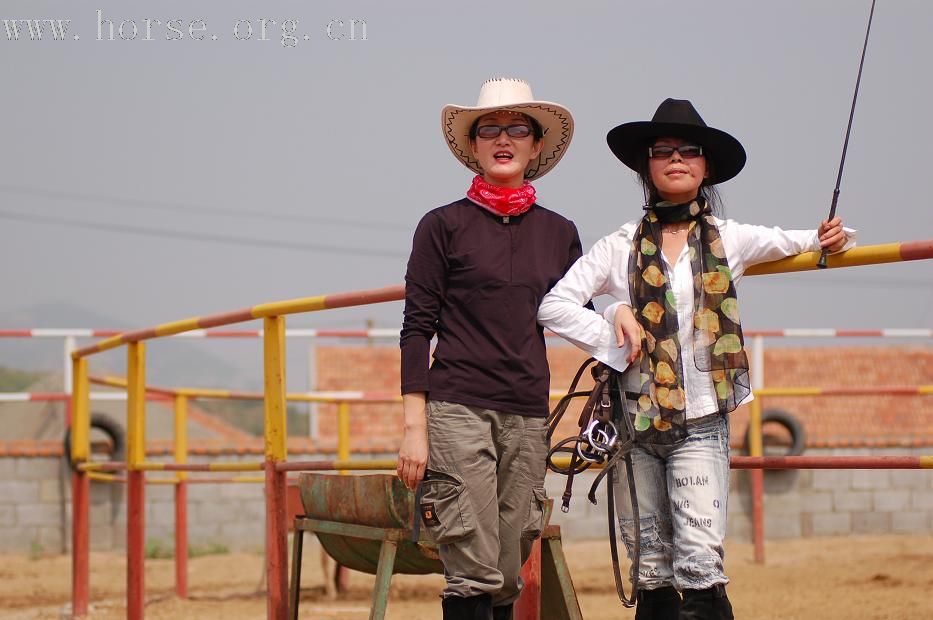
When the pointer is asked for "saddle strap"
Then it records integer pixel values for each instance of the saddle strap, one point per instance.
(555, 416)
(627, 601)
(598, 395)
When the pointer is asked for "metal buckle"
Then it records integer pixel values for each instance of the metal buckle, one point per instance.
(601, 435)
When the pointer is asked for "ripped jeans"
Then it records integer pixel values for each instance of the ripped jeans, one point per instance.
(683, 491)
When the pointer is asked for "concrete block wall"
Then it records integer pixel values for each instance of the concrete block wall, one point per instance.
(798, 504)
(837, 502)
(35, 506)
(32, 516)
(35, 510)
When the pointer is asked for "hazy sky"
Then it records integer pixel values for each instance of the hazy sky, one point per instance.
(147, 181)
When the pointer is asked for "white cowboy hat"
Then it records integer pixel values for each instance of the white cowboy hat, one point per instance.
(511, 95)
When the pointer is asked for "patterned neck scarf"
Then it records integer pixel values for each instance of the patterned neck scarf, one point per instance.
(501, 200)
(717, 331)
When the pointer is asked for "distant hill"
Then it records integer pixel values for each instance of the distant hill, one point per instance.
(14, 380)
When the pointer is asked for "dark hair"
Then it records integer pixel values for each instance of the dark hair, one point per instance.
(535, 126)
(709, 192)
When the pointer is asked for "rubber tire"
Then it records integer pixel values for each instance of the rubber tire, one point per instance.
(110, 428)
(798, 436)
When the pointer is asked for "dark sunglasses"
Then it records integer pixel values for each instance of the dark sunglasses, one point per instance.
(492, 131)
(687, 151)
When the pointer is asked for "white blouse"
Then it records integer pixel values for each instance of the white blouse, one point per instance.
(604, 271)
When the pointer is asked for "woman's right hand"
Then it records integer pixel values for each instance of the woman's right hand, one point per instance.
(413, 453)
(627, 330)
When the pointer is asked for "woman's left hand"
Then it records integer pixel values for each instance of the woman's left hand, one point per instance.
(832, 236)
(626, 328)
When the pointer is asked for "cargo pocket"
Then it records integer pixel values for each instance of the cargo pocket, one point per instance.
(445, 507)
(535, 522)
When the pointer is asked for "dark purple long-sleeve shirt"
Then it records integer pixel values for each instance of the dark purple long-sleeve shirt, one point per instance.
(475, 279)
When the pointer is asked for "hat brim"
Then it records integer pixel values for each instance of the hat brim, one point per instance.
(555, 120)
(727, 155)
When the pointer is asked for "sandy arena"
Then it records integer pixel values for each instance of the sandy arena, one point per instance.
(879, 577)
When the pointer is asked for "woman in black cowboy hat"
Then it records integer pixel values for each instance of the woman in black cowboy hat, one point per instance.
(475, 428)
(673, 272)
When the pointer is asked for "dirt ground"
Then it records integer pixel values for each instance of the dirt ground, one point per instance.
(881, 577)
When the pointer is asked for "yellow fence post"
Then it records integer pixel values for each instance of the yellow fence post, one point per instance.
(136, 404)
(181, 432)
(135, 479)
(343, 433)
(80, 412)
(275, 443)
(755, 449)
(755, 445)
(275, 403)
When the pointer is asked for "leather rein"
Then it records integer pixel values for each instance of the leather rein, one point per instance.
(602, 440)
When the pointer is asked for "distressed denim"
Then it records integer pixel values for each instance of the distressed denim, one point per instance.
(683, 491)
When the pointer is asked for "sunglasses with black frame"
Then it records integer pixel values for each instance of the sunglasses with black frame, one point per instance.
(687, 151)
(488, 132)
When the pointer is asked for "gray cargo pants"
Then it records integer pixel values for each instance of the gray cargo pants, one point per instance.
(483, 496)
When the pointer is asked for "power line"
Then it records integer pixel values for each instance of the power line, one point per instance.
(187, 236)
(157, 205)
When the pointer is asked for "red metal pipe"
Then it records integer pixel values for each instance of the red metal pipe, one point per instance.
(15, 333)
(49, 396)
(528, 605)
(758, 514)
(276, 543)
(181, 539)
(917, 250)
(135, 544)
(80, 547)
(362, 298)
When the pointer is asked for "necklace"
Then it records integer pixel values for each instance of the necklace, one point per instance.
(677, 231)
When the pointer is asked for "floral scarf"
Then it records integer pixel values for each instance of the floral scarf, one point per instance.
(660, 416)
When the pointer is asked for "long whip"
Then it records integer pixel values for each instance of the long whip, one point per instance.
(821, 263)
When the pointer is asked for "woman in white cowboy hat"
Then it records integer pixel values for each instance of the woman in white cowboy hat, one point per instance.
(475, 421)
(676, 268)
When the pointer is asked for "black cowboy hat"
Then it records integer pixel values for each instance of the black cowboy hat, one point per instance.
(677, 118)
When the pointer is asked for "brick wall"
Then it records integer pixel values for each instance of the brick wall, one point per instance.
(35, 490)
(829, 421)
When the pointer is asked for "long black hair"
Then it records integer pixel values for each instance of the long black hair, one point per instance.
(652, 197)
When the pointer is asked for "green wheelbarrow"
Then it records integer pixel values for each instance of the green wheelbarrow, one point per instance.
(365, 522)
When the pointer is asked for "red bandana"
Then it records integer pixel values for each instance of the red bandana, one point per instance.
(501, 200)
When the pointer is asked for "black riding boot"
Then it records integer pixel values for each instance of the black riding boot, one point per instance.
(502, 612)
(467, 608)
(709, 604)
(659, 604)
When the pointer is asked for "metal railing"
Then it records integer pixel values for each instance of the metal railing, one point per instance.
(275, 464)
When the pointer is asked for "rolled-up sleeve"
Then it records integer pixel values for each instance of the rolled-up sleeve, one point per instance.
(759, 244)
(425, 284)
